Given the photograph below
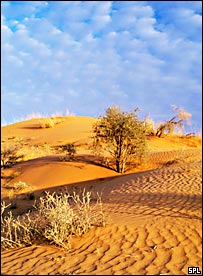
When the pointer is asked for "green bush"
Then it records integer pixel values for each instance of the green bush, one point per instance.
(120, 135)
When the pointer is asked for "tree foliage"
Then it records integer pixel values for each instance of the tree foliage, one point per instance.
(121, 135)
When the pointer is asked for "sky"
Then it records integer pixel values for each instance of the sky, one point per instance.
(81, 57)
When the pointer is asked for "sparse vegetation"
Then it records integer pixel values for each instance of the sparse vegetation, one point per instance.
(149, 127)
(47, 123)
(21, 186)
(36, 150)
(15, 174)
(10, 155)
(50, 122)
(120, 134)
(192, 141)
(175, 123)
(16, 232)
(56, 219)
(65, 215)
(69, 149)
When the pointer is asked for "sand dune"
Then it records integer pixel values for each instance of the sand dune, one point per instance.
(72, 129)
(154, 215)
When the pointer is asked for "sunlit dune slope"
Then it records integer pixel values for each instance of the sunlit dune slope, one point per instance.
(71, 129)
(154, 211)
(46, 170)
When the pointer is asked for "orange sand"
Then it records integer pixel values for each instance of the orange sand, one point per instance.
(154, 211)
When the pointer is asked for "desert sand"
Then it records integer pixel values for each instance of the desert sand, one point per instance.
(154, 211)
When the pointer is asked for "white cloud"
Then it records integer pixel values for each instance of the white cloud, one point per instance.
(6, 32)
(87, 55)
(180, 18)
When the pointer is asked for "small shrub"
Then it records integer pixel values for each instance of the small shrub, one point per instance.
(15, 174)
(66, 215)
(50, 122)
(70, 152)
(19, 139)
(56, 219)
(20, 186)
(47, 123)
(16, 232)
(149, 127)
(9, 156)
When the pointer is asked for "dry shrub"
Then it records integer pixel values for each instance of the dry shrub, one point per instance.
(56, 219)
(15, 174)
(21, 186)
(10, 155)
(149, 126)
(47, 123)
(16, 232)
(175, 124)
(66, 215)
(70, 151)
(50, 122)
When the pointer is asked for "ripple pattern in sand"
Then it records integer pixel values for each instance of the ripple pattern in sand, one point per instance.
(153, 249)
(161, 231)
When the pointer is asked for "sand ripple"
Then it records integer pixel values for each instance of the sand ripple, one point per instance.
(115, 250)
(154, 228)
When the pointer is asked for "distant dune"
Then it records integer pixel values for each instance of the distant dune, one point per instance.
(154, 210)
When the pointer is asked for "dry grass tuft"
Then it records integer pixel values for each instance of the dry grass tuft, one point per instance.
(10, 155)
(50, 122)
(20, 186)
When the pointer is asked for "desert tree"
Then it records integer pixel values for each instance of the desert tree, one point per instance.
(120, 135)
(175, 123)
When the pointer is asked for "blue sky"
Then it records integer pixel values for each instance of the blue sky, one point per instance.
(81, 57)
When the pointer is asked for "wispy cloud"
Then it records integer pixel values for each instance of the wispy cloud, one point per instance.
(87, 55)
